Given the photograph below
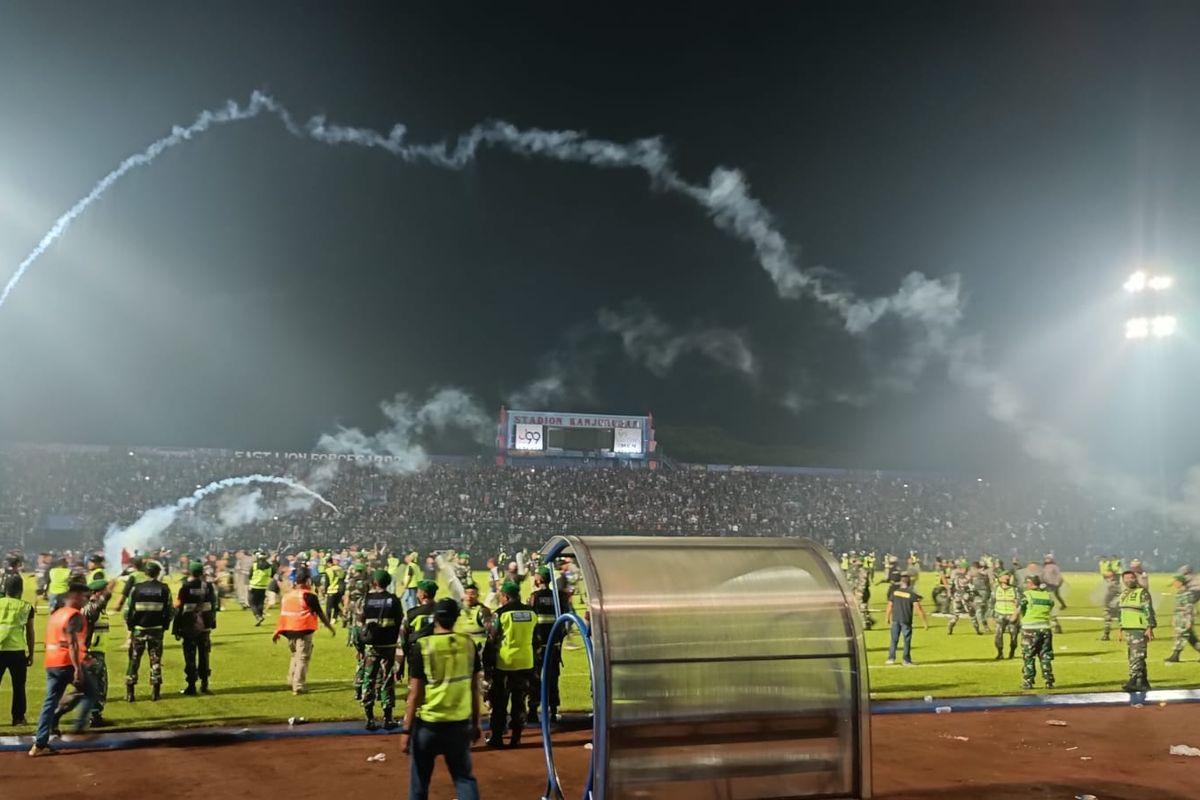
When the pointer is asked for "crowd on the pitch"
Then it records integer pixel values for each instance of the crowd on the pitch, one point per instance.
(478, 506)
(1022, 601)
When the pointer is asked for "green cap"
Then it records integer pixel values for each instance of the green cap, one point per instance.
(358, 568)
(428, 587)
(195, 568)
(963, 562)
(510, 589)
(544, 572)
(381, 577)
(97, 584)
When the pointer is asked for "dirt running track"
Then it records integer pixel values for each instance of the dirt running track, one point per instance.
(1007, 754)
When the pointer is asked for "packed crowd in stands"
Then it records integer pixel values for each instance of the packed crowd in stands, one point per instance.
(68, 497)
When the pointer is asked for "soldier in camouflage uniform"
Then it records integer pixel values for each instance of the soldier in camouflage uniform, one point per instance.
(1112, 594)
(1006, 599)
(860, 585)
(1137, 629)
(379, 623)
(962, 598)
(147, 616)
(356, 589)
(1037, 640)
(1183, 619)
(981, 583)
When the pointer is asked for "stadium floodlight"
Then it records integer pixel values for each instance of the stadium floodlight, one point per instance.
(1140, 281)
(1137, 282)
(1137, 328)
(1162, 327)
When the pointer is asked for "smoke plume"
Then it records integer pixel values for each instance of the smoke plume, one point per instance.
(147, 531)
(648, 340)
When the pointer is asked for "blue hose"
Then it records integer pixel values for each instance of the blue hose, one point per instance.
(553, 787)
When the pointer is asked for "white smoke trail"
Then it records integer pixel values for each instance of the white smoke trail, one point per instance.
(930, 307)
(407, 423)
(147, 530)
(651, 341)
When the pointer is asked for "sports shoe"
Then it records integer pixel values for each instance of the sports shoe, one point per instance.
(890, 662)
(36, 751)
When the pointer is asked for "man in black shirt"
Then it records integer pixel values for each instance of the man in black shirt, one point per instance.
(196, 618)
(418, 621)
(379, 622)
(902, 600)
(542, 602)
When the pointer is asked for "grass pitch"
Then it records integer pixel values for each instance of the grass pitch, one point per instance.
(249, 672)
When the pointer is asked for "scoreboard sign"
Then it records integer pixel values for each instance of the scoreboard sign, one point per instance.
(557, 433)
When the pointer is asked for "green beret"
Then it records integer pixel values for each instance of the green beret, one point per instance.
(358, 568)
(1181, 578)
(544, 572)
(428, 587)
(382, 577)
(97, 584)
(195, 568)
(509, 589)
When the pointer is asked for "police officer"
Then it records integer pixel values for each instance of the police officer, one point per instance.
(1182, 620)
(59, 576)
(1137, 629)
(1037, 640)
(510, 655)
(442, 712)
(335, 587)
(542, 602)
(134, 574)
(95, 571)
(474, 619)
(147, 616)
(16, 643)
(195, 620)
(380, 621)
(262, 572)
(1005, 600)
(418, 620)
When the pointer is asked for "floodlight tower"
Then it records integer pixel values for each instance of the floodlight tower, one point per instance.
(1159, 325)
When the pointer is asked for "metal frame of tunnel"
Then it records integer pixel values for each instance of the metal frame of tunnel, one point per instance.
(596, 644)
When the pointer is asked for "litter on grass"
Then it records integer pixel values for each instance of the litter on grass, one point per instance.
(1058, 723)
(1184, 750)
(378, 757)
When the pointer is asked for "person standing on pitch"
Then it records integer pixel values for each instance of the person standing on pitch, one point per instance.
(95, 613)
(510, 652)
(1183, 619)
(335, 587)
(299, 615)
(1037, 640)
(357, 586)
(56, 591)
(261, 573)
(441, 716)
(66, 652)
(195, 620)
(1005, 600)
(147, 616)
(902, 601)
(542, 601)
(379, 623)
(1137, 629)
(1112, 603)
(418, 620)
(16, 643)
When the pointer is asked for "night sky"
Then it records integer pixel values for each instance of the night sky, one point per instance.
(251, 289)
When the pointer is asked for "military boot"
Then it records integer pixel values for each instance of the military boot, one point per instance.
(190, 690)
(156, 691)
(204, 686)
(128, 694)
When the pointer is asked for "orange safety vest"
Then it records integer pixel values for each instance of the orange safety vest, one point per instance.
(294, 613)
(58, 641)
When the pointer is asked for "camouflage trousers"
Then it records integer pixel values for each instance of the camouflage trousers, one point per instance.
(961, 606)
(352, 640)
(1136, 642)
(981, 607)
(1110, 619)
(1037, 646)
(379, 678)
(99, 669)
(1014, 632)
(150, 643)
(1184, 637)
(865, 610)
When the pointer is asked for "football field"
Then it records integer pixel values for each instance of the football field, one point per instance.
(249, 672)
